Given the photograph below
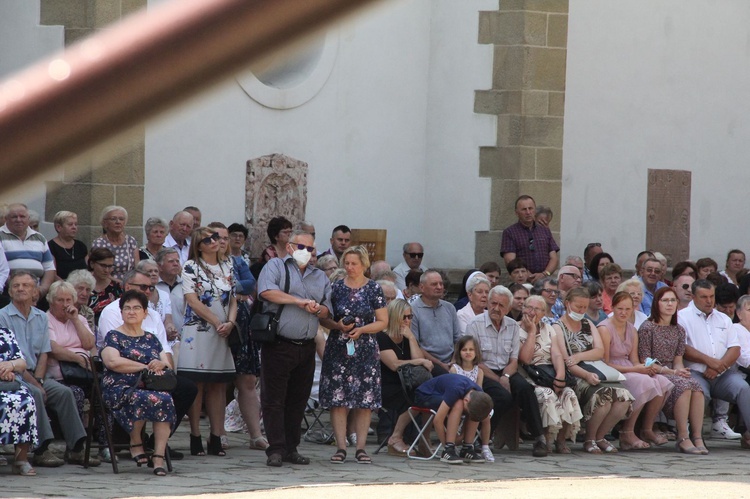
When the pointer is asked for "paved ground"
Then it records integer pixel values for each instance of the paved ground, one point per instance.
(243, 470)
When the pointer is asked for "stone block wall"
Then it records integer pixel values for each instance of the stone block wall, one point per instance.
(528, 98)
(117, 175)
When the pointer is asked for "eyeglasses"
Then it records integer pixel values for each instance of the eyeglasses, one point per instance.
(213, 237)
(137, 308)
(531, 244)
(668, 300)
(653, 271)
(593, 245)
(116, 219)
(143, 287)
(237, 235)
(311, 249)
(416, 255)
(538, 310)
(550, 291)
(105, 266)
(575, 277)
(408, 316)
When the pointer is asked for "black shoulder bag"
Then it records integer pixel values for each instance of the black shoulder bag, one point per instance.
(264, 325)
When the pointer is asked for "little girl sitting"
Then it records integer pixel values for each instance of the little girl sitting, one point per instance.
(466, 359)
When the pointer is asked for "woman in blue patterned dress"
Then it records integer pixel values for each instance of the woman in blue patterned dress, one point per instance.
(127, 351)
(17, 408)
(210, 316)
(350, 377)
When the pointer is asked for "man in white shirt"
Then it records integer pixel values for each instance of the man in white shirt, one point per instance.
(180, 228)
(711, 350)
(413, 255)
(111, 318)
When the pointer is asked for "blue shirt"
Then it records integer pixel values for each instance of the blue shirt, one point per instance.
(32, 334)
(648, 297)
(448, 388)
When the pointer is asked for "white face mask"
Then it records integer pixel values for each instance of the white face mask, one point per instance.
(575, 315)
(301, 257)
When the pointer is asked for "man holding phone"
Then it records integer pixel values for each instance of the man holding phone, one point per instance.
(288, 364)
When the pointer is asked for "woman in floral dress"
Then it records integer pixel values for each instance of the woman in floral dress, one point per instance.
(122, 245)
(210, 316)
(350, 376)
(127, 351)
(17, 408)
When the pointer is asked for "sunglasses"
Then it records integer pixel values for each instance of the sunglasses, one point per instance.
(408, 316)
(685, 286)
(416, 255)
(143, 287)
(593, 245)
(213, 237)
(310, 249)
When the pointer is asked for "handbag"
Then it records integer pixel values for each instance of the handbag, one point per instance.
(9, 386)
(411, 377)
(74, 374)
(545, 375)
(604, 372)
(148, 380)
(264, 325)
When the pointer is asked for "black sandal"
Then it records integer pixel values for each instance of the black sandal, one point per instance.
(140, 459)
(196, 446)
(339, 457)
(214, 447)
(159, 470)
(362, 457)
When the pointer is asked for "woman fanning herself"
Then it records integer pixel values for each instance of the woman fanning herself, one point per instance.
(398, 346)
(661, 338)
(127, 351)
(650, 389)
(350, 377)
(210, 315)
(603, 404)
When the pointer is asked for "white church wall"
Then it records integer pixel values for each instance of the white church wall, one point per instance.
(662, 85)
(390, 139)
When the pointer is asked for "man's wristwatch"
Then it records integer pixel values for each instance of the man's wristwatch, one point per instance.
(506, 375)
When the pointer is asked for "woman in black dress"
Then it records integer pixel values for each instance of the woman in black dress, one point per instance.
(68, 252)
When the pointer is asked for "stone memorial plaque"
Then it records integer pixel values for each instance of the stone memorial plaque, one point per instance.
(668, 213)
(275, 186)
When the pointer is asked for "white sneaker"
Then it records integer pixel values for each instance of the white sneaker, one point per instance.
(353, 439)
(720, 429)
(487, 454)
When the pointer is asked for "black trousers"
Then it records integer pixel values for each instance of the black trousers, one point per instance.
(286, 377)
(522, 393)
(183, 396)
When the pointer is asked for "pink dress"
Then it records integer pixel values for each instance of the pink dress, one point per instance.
(643, 387)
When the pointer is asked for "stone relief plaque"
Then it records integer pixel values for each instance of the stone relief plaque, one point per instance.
(668, 213)
(275, 185)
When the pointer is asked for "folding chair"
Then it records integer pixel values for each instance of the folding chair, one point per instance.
(316, 431)
(415, 411)
(99, 409)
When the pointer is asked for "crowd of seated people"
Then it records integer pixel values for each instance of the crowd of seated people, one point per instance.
(583, 352)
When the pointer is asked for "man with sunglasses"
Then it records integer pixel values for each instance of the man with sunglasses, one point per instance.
(682, 288)
(111, 318)
(287, 364)
(530, 241)
(413, 255)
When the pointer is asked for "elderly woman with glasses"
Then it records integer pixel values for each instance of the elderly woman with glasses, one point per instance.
(205, 356)
(123, 246)
(558, 405)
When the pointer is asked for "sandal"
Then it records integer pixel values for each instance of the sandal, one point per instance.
(159, 470)
(196, 446)
(658, 438)
(214, 446)
(638, 445)
(339, 457)
(23, 468)
(140, 459)
(605, 446)
(561, 447)
(702, 446)
(259, 443)
(591, 447)
(362, 457)
(296, 458)
(398, 448)
(224, 442)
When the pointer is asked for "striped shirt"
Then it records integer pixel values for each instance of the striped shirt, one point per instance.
(31, 254)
